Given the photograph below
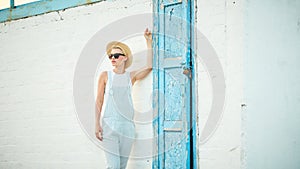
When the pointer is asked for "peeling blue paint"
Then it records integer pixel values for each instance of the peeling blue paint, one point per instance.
(12, 3)
(173, 106)
(40, 7)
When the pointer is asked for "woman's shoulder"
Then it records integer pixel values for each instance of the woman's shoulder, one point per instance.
(103, 76)
(103, 73)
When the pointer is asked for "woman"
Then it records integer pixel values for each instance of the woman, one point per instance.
(116, 132)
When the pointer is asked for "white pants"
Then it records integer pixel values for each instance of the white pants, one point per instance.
(117, 147)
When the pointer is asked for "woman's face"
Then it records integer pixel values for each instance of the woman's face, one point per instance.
(116, 62)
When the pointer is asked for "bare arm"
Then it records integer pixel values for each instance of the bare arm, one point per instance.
(99, 102)
(142, 73)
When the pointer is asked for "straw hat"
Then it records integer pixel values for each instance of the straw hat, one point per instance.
(125, 49)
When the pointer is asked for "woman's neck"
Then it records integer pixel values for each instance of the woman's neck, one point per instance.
(119, 70)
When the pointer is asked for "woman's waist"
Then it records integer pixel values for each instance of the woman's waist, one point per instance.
(118, 113)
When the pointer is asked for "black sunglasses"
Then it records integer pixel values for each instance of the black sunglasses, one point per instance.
(115, 55)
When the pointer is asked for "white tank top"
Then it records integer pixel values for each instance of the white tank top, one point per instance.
(119, 112)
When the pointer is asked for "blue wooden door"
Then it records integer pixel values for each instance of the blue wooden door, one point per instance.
(172, 81)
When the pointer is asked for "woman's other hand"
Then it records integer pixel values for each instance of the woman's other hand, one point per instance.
(98, 132)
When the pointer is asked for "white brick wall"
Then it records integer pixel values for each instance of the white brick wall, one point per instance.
(38, 123)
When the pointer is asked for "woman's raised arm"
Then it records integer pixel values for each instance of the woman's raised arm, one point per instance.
(142, 73)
